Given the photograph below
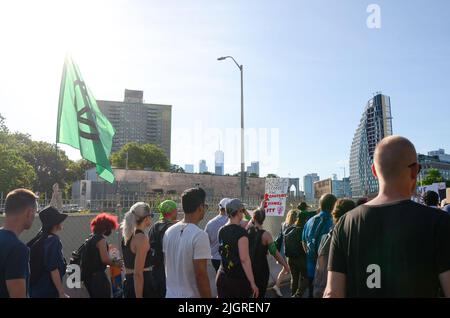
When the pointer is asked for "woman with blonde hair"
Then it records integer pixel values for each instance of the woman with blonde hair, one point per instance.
(135, 250)
(291, 218)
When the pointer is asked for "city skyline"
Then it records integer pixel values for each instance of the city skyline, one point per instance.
(307, 74)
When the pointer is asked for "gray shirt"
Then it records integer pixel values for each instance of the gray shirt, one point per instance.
(212, 228)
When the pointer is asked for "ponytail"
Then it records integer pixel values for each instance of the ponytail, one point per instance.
(128, 225)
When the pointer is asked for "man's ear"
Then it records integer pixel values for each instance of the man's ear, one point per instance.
(374, 171)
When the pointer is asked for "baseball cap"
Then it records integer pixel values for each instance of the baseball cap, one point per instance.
(141, 210)
(234, 205)
(223, 203)
(166, 207)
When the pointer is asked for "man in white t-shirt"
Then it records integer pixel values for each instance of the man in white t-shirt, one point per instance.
(212, 229)
(187, 251)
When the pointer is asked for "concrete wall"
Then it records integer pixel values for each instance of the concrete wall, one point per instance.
(225, 186)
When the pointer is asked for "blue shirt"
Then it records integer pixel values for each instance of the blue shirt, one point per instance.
(14, 260)
(315, 228)
(53, 259)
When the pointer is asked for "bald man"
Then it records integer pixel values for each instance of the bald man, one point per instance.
(391, 246)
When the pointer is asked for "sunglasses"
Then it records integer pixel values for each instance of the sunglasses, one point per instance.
(416, 164)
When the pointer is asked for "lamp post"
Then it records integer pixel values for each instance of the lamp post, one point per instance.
(241, 69)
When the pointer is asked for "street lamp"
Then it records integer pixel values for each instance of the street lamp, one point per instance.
(241, 69)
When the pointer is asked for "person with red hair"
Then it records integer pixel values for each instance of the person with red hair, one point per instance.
(97, 256)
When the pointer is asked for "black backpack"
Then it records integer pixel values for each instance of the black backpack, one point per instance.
(37, 249)
(293, 241)
(156, 236)
(79, 257)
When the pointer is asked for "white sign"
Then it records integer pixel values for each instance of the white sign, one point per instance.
(433, 187)
(275, 196)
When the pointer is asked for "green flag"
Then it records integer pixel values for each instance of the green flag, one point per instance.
(81, 123)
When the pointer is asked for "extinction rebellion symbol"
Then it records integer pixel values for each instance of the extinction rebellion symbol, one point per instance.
(89, 118)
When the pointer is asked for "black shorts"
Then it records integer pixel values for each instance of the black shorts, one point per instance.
(229, 287)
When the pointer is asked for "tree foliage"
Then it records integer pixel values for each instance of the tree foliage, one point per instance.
(141, 156)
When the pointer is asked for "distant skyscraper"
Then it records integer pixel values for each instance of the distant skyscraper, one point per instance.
(219, 162)
(308, 186)
(135, 121)
(189, 168)
(440, 153)
(375, 124)
(341, 188)
(253, 168)
(202, 167)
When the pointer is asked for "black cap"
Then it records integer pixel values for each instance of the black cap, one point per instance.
(50, 217)
(302, 206)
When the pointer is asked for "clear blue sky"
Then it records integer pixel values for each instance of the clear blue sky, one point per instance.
(310, 67)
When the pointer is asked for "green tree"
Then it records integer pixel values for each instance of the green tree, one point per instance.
(253, 175)
(141, 157)
(433, 176)
(50, 166)
(76, 169)
(272, 175)
(176, 169)
(15, 172)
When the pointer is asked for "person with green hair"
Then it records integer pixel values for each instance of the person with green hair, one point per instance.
(168, 216)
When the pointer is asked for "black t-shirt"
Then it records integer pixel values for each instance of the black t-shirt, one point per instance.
(392, 250)
(93, 258)
(229, 236)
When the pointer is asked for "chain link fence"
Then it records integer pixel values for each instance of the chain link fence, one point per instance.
(77, 225)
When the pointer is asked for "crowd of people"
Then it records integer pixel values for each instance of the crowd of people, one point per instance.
(389, 246)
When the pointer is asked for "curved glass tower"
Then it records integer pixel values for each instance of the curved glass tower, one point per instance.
(375, 124)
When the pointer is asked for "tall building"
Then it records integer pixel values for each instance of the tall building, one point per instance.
(219, 163)
(189, 168)
(202, 167)
(375, 124)
(135, 121)
(341, 188)
(308, 186)
(253, 168)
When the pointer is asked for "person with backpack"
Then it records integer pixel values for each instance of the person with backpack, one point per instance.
(135, 251)
(47, 263)
(261, 242)
(235, 276)
(212, 229)
(95, 257)
(296, 255)
(168, 217)
(317, 226)
(341, 207)
(290, 220)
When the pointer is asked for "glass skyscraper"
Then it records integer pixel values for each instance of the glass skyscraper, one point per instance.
(375, 124)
